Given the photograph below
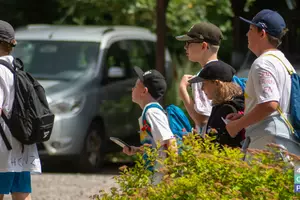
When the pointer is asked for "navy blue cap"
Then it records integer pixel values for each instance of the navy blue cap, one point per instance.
(269, 20)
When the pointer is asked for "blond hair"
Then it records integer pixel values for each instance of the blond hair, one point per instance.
(225, 91)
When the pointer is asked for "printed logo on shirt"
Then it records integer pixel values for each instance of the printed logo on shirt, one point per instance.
(147, 72)
(143, 136)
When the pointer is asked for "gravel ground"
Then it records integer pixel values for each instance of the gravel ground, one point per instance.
(66, 186)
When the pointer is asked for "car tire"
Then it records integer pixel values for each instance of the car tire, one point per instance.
(92, 155)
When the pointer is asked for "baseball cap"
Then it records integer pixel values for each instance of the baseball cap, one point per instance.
(216, 70)
(154, 81)
(203, 31)
(7, 33)
(269, 20)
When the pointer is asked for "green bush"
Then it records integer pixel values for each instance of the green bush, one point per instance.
(202, 171)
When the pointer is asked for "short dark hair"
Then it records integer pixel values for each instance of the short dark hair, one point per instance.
(275, 41)
(6, 47)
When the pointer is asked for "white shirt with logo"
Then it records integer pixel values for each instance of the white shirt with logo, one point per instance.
(13, 160)
(160, 128)
(268, 80)
(202, 103)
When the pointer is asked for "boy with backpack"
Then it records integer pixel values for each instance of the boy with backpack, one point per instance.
(150, 87)
(226, 96)
(268, 91)
(25, 120)
(202, 43)
(16, 163)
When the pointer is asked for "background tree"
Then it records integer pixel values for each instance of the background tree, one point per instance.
(180, 16)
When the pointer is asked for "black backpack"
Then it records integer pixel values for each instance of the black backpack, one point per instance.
(31, 120)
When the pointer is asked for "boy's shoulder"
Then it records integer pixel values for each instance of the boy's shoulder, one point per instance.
(152, 107)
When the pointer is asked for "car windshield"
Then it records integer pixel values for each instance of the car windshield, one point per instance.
(57, 60)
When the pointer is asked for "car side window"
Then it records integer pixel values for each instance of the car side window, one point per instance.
(138, 55)
(117, 61)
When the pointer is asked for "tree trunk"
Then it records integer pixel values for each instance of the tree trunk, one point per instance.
(161, 6)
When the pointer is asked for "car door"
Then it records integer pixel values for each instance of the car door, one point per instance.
(117, 83)
(119, 112)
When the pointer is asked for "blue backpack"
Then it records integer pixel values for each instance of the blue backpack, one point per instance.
(240, 81)
(179, 123)
(294, 123)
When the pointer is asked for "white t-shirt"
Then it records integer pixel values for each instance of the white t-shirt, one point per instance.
(202, 103)
(268, 80)
(160, 128)
(13, 160)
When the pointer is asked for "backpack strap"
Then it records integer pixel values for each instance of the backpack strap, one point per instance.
(290, 71)
(232, 107)
(5, 140)
(7, 65)
(144, 120)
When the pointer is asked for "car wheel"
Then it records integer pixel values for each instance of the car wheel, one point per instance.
(92, 155)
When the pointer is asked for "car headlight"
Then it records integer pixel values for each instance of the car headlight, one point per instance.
(70, 105)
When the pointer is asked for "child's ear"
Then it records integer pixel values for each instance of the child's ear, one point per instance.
(263, 33)
(204, 45)
(145, 90)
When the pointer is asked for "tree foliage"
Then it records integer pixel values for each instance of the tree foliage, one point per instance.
(202, 171)
(180, 15)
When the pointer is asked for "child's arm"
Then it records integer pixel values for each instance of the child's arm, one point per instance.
(133, 150)
(171, 145)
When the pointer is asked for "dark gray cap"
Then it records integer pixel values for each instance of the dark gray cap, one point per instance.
(203, 31)
(7, 33)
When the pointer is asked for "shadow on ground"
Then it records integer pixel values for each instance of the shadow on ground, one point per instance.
(109, 167)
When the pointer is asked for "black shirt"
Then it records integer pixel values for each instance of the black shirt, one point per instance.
(215, 121)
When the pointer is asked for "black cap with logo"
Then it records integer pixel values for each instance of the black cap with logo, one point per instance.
(154, 81)
(215, 70)
(7, 33)
(203, 31)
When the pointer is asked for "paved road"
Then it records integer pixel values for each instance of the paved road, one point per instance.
(71, 186)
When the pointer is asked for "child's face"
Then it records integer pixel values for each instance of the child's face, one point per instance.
(194, 50)
(138, 91)
(209, 88)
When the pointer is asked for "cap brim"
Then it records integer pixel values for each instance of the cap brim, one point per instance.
(196, 79)
(248, 21)
(139, 73)
(184, 38)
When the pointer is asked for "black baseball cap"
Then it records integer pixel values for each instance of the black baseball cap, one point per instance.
(203, 31)
(215, 70)
(7, 33)
(269, 20)
(154, 81)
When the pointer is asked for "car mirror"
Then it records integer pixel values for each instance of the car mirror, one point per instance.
(116, 72)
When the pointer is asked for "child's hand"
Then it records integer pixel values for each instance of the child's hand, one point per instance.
(234, 116)
(130, 151)
(142, 148)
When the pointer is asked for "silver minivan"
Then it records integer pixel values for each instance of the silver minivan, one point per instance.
(87, 72)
